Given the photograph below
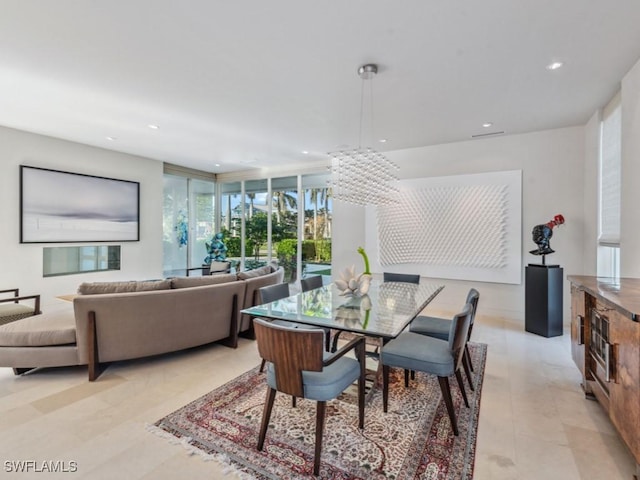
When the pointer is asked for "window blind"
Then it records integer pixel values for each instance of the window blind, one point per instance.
(610, 173)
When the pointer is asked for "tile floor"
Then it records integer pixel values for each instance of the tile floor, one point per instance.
(534, 420)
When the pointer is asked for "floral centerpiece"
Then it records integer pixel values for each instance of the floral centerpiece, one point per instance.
(352, 285)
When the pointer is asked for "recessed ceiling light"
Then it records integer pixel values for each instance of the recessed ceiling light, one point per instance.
(383, 140)
(487, 124)
(111, 139)
(217, 164)
(305, 152)
(554, 65)
(153, 127)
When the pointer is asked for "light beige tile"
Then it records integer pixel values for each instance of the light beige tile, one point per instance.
(534, 420)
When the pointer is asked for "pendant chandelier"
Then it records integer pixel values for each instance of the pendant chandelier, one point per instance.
(364, 176)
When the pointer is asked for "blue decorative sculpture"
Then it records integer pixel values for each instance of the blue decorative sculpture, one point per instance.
(182, 229)
(217, 250)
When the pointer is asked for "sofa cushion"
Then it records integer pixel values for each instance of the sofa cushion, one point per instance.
(186, 282)
(10, 312)
(96, 288)
(40, 331)
(258, 272)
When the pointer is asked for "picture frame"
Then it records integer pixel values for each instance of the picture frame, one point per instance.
(66, 207)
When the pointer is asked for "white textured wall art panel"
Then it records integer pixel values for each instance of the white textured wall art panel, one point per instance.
(460, 227)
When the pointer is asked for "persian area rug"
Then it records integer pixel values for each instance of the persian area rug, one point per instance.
(414, 440)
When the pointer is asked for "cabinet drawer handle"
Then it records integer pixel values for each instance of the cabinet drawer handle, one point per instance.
(607, 362)
(580, 330)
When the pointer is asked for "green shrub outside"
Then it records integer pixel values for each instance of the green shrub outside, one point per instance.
(323, 250)
(233, 246)
(286, 251)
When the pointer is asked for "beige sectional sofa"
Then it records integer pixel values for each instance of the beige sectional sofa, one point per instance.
(115, 321)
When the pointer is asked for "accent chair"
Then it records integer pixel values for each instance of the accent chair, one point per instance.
(16, 307)
(415, 352)
(299, 366)
(441, 327)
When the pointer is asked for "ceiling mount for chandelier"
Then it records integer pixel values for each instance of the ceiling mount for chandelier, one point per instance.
(364, 176)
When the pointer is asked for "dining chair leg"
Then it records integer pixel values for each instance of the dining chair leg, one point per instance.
(385, 387)
(413, 374)
(360, 352)
(327, 341)
(293, 401)
(466, 351)
(266, 415)
(462, 390)
(465, 365)
(319, 427)
(334, 345)
(448, 401)
(406, 378)
(262, 365)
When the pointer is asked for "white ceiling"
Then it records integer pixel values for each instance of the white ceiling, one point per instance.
(253, 83)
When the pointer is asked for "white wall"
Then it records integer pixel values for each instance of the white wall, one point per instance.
(21, 264)
(552, 164)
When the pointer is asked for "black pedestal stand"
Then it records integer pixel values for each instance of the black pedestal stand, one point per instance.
(543, 300)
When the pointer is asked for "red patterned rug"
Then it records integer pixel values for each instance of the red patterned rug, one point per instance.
(413, 440)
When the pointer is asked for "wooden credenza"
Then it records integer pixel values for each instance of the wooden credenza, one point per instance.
(605, 344)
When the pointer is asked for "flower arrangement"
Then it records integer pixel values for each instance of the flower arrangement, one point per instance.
(351, 313)
(350, 284)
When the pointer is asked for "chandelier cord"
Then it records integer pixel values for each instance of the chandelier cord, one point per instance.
(371, 124)
(371, 112)
(361, 112)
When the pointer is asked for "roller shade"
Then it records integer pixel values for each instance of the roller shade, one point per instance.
(610, 173)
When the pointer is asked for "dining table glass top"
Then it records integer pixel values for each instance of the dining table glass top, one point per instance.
(383, 312)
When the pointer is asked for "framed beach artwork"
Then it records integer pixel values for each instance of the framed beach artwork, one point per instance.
(58, 206)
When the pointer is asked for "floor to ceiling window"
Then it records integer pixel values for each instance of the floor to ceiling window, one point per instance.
(287, 219)
(256, 224)
(284, 229)
(318, 207)
(231, 220)
(188, 222)
(175, 225)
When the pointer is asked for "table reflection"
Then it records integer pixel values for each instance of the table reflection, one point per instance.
(384, 312)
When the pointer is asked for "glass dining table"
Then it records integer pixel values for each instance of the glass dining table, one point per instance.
(383, 313)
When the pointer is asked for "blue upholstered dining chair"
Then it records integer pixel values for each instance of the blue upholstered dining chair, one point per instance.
(415, 352)
(440, 328)
(271, 293)
(400, 277)
(310, 283)
(299, 366)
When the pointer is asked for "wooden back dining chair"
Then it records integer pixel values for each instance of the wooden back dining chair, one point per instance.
(299, 366)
